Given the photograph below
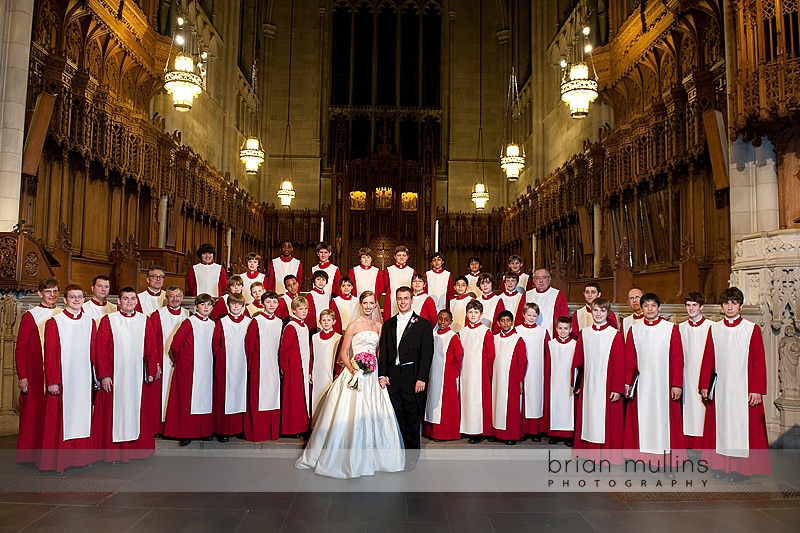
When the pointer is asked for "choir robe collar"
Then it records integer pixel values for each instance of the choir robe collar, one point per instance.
(487, 297)
(128, 315)
(512, 293)
(98, 304)
(236, 319)
(286, 259)
(201, 317)
(323, 266)
(290, 295)
(529, 326)
(318, 291)
(362, 267)
(47, 306)
(588, 309)
(346, 297)
(257, 304)
(652, 322)
(541, 292)
(267, 317)
(698, 323)
(437, 270)
(462, 296)
(506, 334)
(69, 314)
(299, 322)
(252, 274)
(475, 275)
(154, 294)
(326, 335)
(398, 265)
(443, 331)
(470, 325)
(563, 341)
(733, 323)
(637, 316)
(177, 311)
(423, 293)
(601, 328)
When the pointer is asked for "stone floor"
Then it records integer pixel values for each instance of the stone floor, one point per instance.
(106, 498)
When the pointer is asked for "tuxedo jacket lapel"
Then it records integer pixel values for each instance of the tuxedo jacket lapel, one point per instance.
(408, 326)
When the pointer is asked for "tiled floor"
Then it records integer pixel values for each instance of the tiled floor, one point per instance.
(384, 512)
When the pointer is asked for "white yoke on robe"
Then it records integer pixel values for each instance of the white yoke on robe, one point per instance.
(547, 302)
(471, 380)
(76, 369)
(630, 320)
(458, 306)
(562, 401)
(397, 277)
(535, 340)
(150, 302)
(128, 376)
(596, 352)
(366, 279)
(207, 278)
(96, 311)
(269, 376)
(348, 308)
(693, 337)
(282, 269)
(248, 282)
(169, 325)
(203, 370)
(437, 285)
(433, 407)
(321, 300)
(504, 347)
(235, 364)
(325, 346)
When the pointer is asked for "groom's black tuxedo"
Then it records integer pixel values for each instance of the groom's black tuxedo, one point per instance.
(416, 354)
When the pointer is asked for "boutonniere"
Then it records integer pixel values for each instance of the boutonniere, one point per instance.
(414, 319)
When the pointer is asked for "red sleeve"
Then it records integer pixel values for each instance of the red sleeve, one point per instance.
(222, 284)
(708, 364)
(631, 358)
(290, 348)
(27, 340)
(270, 281)
(577, 357)
(218, 340)
(520, 354)
(181, 343)
(310, 354)
(219, 310)
(519, 316)
(455, 353)
(153, 342)
(299, 272)
(499, 308)
(191, 282)
(616, 364)
(451, 292)
(52, 353)
(675, 358)
(428, 311)
(104, 367)
(311, 318)
(576, 332)
(93, 349)
(488, 351)
(337, 326)
(252, 344)
(612, 319)
(352, 275)
(138, 307)
(337, 277)
(756, 364)
(560, 308)
(529, 285)
(282, 311)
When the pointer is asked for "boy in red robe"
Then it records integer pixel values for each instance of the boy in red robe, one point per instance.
(206, 276)
(439, 282)
(492, 303)
(365, 276)
(508, 375)
(476, 374)
(396, 276)
(559, 402)
(324, 264)
(421, 303)
(537, 353)
(583, 317)
(282, 266)
(230, 370)
(345, 306)
(513, 300)
(262, 420)
(235, 286)
(295, 363)
(252, 275)
(442, 410)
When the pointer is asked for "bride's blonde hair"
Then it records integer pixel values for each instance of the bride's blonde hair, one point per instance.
(365, 295)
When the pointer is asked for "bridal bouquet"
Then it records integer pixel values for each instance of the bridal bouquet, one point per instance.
(366, 363)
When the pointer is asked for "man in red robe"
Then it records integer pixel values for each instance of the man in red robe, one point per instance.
(551, 301)
(442, 410)
(733, 378)
(69, 340)
(508, 375)
(29, 360)
(120, 424)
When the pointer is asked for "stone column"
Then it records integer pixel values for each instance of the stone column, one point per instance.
(15, 47)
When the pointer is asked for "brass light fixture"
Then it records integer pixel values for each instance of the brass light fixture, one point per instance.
(578, 88)
(183, 82)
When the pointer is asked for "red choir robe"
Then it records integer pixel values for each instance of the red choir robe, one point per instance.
(735, 434)
(693, 337)
(295, 363)
(121, 427)
(346, 309)
(284, 309)
(230, 374)
(148, 301)
(263, 416)
(425, 306)
(443, 409)
(209, 279)
(600, 354)
(458, 306)
(514, 301)
(493, 305)
(508, 374)
(559, 403)
(190, 402)
(279, 268)
(96, 310)
(29, 360)
(248, 278)
(476, 379)
(582, 318)
(325, 351)
(220, 308)
(394, 277)
(69, 342)
(653, 421)
(552, 305)
(439, 284)
(367, 279)
(317, 301)
(332, 287)
(161, 328)
(537, 353)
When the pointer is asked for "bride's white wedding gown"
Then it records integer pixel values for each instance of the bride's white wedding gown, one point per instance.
(355, 432)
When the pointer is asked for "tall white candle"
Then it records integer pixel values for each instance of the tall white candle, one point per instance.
(436, 238)
(321, 229)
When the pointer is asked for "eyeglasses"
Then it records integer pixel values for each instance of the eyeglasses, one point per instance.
(50, 291)
(153, 276)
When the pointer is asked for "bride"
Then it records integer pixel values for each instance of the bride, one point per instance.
(355, 432)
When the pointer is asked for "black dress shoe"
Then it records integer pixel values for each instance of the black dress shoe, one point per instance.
(209, 438)
(113, 463)
(475, 440)
(411, 465)
(89, 466)
(736, 477)
(719, 474)
(184, 442)
(62, 473)
(569, 443)
(222, 438)
(555, 440)
(536, 438)
(510, 442)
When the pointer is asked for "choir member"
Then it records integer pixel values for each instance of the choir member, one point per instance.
(366, 277)
(551, 301)
(344, 306)
(318, 298)
(230, 370)
(68, 355)
(536, 350)
(458, 305)
(492, 303)
(252, 275)
(558, 400)
(98, 306)
(161, 328)
(282, 266)
(254, 308)
(600, 359)
(190, 402)
(524, 281)
(263, 416)
(439, 282)
(508, 375)
(235, 286)
(396, 276)
(284, 311)
(583, 317)
(152, 297)
(512, 299)
(472, 276)
(294, 358)
(735, 433)
(325, 349)
(476, 374)
(442, 410)
(207, 276)
(422, 303)
(29, 361)
(634, 300)
(694, 333)
(654, 381)
(324, 254)
(121, 426)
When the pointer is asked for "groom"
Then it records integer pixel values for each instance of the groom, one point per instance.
(404, 363)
